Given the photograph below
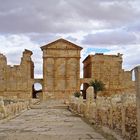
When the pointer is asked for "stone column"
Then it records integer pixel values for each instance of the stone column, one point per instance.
(123, 112)
(137, 77)
(54, 74)
(44, 88)
(78, 74)
(89, 102)
(66, 73)
(2, 107)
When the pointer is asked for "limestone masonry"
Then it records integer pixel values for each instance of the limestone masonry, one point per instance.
(61, 72)
(108, 69)
(61, 68)
(17, 80)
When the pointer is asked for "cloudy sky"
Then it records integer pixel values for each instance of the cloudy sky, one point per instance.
(109, 26)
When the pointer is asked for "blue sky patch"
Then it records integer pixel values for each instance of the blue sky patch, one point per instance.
(97, 50)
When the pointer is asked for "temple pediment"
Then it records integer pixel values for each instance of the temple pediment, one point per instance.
(61, 44)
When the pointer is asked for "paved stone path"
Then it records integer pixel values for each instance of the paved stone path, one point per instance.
(47, 121)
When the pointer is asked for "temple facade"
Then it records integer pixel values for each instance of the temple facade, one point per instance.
(61, 68)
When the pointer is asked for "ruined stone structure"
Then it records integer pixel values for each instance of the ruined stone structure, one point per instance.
(117, 112)
(61, 68)
(108, 69)
(61, 72)
(17, 80)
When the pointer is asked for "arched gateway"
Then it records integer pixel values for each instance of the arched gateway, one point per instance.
(37, 88)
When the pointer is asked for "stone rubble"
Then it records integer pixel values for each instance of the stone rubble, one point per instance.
(117, 112)
(14, 107)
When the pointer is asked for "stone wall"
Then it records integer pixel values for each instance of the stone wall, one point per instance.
(13, 107)
(17, 80)
(116, 112)
(108, 69)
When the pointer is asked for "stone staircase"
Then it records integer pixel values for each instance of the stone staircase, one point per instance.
(52, 104)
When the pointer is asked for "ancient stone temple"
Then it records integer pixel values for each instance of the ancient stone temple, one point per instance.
(61, 68)
(17, 80)
(61, 73)
(108, 69)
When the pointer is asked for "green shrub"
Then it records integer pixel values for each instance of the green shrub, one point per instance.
(98, 86)
(77, 94)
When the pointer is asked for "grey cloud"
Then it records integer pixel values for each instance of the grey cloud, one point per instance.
(72, 38)
(34, 16)
(42, 38)
(111, 13)
(110, 38)
(130, 55)
(51, 16)
(15, 43)
(133, 27)
(14, 58)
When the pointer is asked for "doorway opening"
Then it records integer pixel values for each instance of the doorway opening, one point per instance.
(37, 90)
(83, 89)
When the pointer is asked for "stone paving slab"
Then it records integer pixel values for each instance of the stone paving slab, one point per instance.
(47, 121)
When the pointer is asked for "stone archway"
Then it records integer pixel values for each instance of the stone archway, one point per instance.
(83, 89)
(37, 88)
(84, 82)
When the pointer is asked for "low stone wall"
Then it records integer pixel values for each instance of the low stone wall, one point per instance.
(13, 107)
(117, 113)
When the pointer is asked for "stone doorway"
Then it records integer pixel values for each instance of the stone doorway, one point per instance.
(83, 89)
(37, 91)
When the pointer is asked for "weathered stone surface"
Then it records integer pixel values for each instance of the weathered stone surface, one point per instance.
(61, 78)
(48, 123)
(61, 72)
(61, 69)
(17, 80)
(114, 112)
(2, 107)
(11, 107)
(108, 69)
(90, 95)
